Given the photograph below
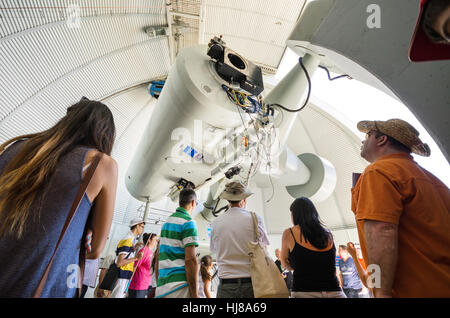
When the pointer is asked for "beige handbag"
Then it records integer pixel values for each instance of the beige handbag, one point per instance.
(266, 278)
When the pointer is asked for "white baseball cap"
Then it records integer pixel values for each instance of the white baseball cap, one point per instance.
(134, 222)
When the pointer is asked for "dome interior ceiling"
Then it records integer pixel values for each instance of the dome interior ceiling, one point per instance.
(46, 66)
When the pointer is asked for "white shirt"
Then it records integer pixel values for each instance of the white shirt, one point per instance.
(201, 291)
(230, 234)
(90, 272)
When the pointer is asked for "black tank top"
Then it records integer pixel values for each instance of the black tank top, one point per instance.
(314, 271)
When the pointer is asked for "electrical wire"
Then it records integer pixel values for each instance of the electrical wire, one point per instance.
(247, 102)
(258, 144)
(242, 101)
(307, 96)
(273, 188)
(336, 77)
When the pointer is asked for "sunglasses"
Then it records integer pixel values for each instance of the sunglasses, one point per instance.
(369, 133)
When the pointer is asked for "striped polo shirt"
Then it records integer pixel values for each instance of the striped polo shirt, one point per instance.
(126, 247)
(179, 232)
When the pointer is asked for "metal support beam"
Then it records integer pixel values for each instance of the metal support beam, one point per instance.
(170, 33)
(201, 22)
(147, 206)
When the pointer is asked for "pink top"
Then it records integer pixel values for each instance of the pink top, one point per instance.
(143, 276)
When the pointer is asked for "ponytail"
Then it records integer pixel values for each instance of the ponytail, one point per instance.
(205, 263)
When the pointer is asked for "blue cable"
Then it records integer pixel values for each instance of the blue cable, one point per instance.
(333, 78)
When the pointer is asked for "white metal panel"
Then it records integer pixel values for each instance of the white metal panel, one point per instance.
(256, 29)
(97, 80)
(187, 6)
(45, 71)
(19, 15)
(35, 60)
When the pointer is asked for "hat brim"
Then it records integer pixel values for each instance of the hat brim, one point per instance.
(366, 125)
(133, 224)
(235, 197)
(422, 48)
(421, 150)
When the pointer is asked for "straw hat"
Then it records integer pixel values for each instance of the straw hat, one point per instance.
(400, 130)
(235, 191)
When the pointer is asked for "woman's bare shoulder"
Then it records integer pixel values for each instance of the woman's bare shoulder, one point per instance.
(105, 160)
(107, 167)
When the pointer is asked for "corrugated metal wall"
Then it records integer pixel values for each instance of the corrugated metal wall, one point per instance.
(46, 69)
(257, 30)
(21, 15)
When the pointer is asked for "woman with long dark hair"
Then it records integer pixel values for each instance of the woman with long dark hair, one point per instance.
(40, 175)
(308, 249)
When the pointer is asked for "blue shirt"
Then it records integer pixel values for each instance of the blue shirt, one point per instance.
(27, 258)
(350, 277)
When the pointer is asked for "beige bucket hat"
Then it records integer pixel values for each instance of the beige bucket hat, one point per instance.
(400, 130)
(235, 191)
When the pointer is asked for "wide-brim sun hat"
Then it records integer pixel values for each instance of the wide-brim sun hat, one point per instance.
(235, 191)
(400, 130)
(421, 47)
(134, 222)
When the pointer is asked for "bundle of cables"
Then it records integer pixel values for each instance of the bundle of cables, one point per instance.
(249, 103)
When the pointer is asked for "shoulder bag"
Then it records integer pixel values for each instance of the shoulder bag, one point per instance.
(267, 280)
(111, 276)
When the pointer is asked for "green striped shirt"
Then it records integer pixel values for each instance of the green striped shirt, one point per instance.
(179, 232)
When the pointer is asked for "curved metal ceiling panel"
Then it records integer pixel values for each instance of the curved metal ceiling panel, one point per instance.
(46, 69)
(257, 30)
(117, 72)
(19, 15)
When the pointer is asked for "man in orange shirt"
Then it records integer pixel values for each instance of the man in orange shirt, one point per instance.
(402, 214)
